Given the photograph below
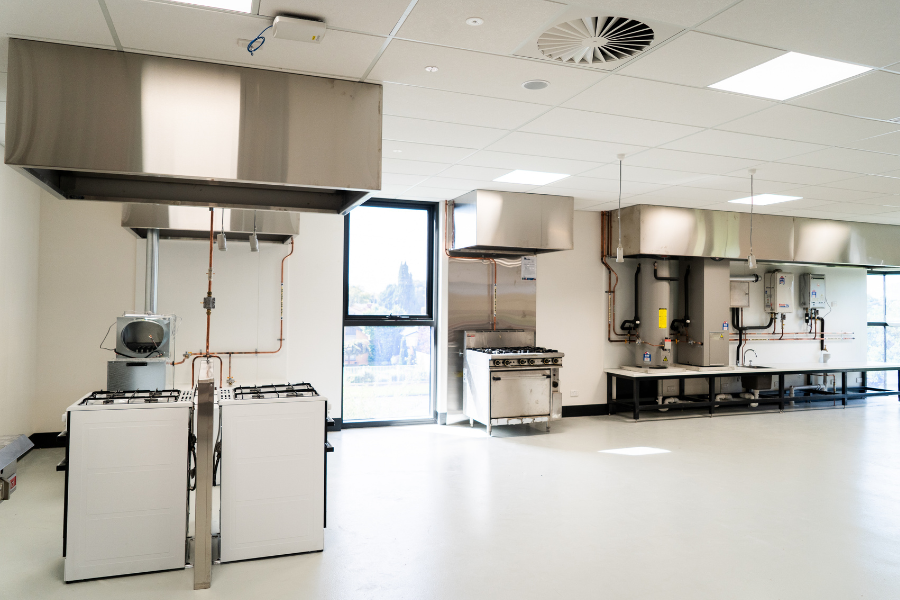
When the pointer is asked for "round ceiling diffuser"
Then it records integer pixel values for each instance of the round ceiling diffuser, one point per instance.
(595, 39)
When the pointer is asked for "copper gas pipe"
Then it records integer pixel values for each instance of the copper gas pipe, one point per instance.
(610, 286)
(212, 227)
(478, 258)
(208, 356)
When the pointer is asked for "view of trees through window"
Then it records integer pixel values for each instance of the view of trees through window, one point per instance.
(387, 353)
(883, 332)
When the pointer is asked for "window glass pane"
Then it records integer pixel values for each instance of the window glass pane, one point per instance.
(389, 261)
(875, 344)
(892, 344)
(875, 285)
(892, 298)
(387, 372)
(876, 379)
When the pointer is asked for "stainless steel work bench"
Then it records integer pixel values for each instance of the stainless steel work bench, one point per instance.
(636, 404)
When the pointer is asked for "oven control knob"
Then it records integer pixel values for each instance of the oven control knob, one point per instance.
(555, 384)
(555, 361)
(507, 362)
(522, 361)
(497, 363)
(546, 361)
(530, 361)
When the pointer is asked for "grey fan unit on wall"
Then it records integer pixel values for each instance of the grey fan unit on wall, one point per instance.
(595, 39)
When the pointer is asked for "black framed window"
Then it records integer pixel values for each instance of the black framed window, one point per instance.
(389, 308)
(883, 330)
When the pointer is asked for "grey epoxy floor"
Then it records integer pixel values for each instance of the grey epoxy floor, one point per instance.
(802, 505)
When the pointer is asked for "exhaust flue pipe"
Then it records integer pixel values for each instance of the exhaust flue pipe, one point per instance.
(151, 280)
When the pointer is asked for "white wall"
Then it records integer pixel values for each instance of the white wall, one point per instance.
(571, 311)
(86, 281)
(19, 249)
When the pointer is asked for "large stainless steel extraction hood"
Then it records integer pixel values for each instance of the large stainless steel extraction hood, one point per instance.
(192, 222)
(102, 125)
(668, 231)
(511, 223)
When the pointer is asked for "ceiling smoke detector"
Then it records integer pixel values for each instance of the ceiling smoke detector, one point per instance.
(595, 39)
(535, 84)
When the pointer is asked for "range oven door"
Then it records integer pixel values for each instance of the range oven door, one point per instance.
(522, 393)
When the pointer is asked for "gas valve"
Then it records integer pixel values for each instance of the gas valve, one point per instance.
(209, 303)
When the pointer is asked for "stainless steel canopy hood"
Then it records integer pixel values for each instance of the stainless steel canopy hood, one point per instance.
(192, 222)
(669, 231)
(511, 223)
(103, 125)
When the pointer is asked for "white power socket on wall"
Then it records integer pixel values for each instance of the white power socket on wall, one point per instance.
(573, 393)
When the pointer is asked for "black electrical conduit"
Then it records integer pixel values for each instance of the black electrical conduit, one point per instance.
(681, 324)
(734, 323)
(632, 324)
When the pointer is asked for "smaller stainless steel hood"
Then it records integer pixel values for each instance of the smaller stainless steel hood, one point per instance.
(511, 223)
(190, 222)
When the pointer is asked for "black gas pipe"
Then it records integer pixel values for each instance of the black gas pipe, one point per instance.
(632, 324)
(682, 324)
(734, 323)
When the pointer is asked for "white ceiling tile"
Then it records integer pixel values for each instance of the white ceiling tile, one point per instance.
(633, 97)
(857, 161)
(871, 183)
(860, 31)
(608, 128)
(831, 193)
(795, 174)
(873, 95)
(431, 193)
(685, 13)
(475, 173)
(704, 195)
(506, 23)
(769, 209)
(434, 132)
(423, 152)
(692, 162)
(807, 125)
(465, 185)
(643, 174)
(401, 179)
(801, 204)
(859, 209)
(590, 205)
(481, 74)
(438, 105)
(508, 160)
(671, 199)
(391, 191)
(888, 143)
(78, 21)
(371, 17)
(583, 196)
(741, 145)
(609, 186)
(741, 183)
(411, 167)
(561, 147)
(183, 30)
(699, 60)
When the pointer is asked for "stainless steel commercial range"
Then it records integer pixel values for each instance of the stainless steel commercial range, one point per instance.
(127, 474)
(509, 381)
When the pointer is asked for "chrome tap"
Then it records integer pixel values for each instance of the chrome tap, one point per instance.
(745, 356)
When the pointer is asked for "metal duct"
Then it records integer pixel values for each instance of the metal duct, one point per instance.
(151, 281)
(669, 231)
(102, 125)
(512, 223)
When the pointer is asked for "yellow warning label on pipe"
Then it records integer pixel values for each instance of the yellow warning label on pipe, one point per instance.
(663, 318)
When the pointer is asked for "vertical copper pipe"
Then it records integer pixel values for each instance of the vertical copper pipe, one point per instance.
(212, 227)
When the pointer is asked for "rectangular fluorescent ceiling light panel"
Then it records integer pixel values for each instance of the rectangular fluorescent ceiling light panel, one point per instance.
(763, 199)
(244, 6)
(530, 177)
(637, 451)
(789, 75)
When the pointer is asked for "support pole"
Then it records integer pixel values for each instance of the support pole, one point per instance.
(151, 279)
(203, 503)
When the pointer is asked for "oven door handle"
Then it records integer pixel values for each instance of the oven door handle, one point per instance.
(495, 378)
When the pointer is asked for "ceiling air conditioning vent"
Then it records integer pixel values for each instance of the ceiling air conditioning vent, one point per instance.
(595, 39)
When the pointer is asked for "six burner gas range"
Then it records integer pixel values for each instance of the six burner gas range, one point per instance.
(507, 380)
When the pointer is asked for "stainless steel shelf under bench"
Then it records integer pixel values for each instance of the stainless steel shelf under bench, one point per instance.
(693, 401)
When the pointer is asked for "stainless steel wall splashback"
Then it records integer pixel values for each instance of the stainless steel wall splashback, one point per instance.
(668, 231)
(99, 124)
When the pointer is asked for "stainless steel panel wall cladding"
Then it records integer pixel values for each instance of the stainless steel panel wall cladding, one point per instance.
(104, 125)
(667, 231)
(489, 222)
(469, 308)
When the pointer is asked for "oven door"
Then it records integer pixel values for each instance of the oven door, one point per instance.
(522, 393)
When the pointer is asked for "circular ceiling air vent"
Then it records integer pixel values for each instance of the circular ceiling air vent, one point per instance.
(595, 39)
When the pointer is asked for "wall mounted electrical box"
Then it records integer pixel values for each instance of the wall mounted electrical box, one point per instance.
(779, 292)
(812, 291)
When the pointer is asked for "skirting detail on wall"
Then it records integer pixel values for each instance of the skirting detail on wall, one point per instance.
(585, 410)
